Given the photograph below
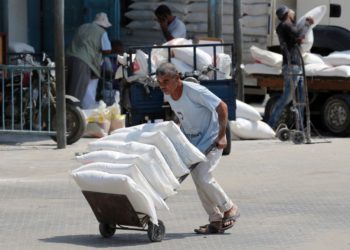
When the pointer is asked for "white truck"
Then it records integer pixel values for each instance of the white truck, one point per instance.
(329, 96)
(332, 33)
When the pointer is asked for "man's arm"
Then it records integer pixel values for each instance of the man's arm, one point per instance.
(221, 109)
(164, 27)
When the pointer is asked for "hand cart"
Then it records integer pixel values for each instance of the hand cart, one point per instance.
(299, 102)
(114, 211)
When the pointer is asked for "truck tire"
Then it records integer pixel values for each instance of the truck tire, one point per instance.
(336, 115)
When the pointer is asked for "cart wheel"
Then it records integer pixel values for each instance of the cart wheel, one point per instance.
(283, 134)
(156, 233)
(298, 137)
(106, 230)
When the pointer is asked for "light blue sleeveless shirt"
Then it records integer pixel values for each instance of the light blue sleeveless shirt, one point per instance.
(196, 110)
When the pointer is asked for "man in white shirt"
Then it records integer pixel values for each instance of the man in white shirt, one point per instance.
(172, 27)
(203, 119)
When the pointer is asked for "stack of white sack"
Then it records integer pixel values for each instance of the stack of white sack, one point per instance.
(249, 124)
(144, 166)
(182, 58)
(336, 64)
(143, 29)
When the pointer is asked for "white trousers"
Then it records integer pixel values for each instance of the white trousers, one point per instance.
(213, 197)
(89, 100)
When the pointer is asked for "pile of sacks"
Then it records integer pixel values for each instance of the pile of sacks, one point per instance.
(183, 58)
(249, 124)
(142, 162)
(336, 64)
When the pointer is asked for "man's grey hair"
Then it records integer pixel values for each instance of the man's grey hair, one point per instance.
(166, 69)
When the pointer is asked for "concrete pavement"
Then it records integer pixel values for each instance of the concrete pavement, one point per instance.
(290, 197)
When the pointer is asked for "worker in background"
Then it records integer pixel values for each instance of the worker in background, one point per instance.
(203, 118)
(171, 26)
(84, 58)
(290, 37)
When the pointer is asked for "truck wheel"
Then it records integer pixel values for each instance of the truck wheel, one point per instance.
(336, 114)
(227, 150)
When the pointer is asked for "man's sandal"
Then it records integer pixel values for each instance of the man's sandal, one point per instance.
(212, 228)
(229, 221)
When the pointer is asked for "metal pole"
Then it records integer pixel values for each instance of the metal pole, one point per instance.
(215, 13)
(60, 74)
(211, 17)
(238, 48)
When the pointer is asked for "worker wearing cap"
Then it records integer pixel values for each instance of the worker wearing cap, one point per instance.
(290, 37)
(84, 58)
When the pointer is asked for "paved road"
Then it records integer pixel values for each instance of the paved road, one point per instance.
(290, 196)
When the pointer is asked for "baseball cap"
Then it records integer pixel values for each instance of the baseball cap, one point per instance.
(281, 11)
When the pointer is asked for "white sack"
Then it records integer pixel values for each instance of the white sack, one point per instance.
(150, 161)
(246, 129)
(161, 141)
(181, 66)
(338, 58)
(223, 63)
(338, 71)
(133, 172)
(317, 13)
(186, 150)
(162, 55)
(18, 47)
(259, 68)
(97, 181)
(187, 55)
(151, 170)
(266, 57)
(140, 65)
(144, 5)
(135, 25)
(142, 15)
(313, 69)
(247, 111)
(310, 58)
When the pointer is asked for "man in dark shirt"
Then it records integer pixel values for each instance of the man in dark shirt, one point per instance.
(290, 37)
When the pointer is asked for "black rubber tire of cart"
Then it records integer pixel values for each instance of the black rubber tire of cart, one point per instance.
(227, 149)
(156, 233)
(106, 230)
(283, 134)
(298, 137)
(336, 115)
